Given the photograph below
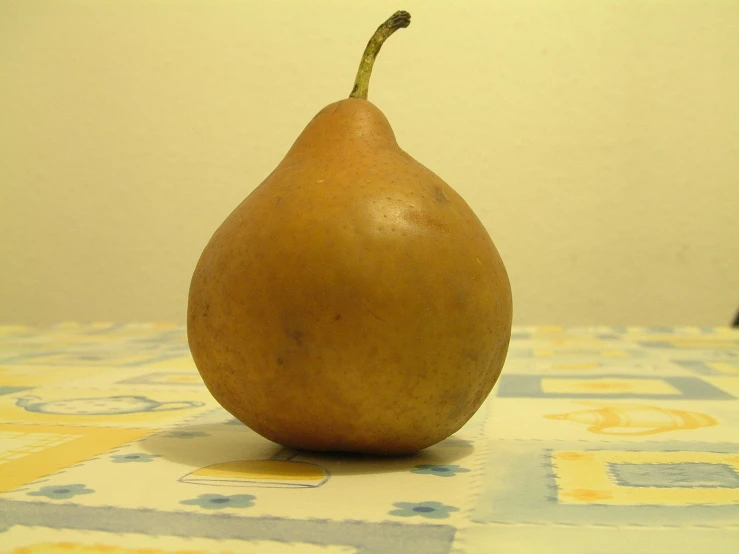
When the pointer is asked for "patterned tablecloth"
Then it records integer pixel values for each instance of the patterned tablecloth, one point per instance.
(598, 439)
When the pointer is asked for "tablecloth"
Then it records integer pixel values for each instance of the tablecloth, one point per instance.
(597, 439)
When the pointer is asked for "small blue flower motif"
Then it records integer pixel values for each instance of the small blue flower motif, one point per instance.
(61, 492)
(133, 458)
(186, 434)
(431, 510)
(219, 501)
(440, 471)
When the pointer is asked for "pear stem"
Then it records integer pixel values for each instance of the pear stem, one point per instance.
(399, 20)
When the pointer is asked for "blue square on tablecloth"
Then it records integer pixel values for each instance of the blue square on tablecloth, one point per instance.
(687, 475)
(701, 367)
(11, 390)
(673, 388)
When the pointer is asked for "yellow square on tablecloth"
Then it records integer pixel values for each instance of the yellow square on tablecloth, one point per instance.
(29, 452)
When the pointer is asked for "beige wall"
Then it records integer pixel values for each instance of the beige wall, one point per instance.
(598, 142)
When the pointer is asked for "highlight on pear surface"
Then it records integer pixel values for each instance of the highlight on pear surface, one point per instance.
(353, 302)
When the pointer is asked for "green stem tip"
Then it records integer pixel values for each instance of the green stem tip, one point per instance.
(399, 20)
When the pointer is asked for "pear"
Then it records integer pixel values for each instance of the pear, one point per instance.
(353, 302)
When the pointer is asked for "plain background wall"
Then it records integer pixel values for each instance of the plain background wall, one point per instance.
(597, 141)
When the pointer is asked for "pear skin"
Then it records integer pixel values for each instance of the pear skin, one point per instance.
(353, 302)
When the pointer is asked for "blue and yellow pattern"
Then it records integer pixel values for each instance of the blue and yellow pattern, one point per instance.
(595, 438)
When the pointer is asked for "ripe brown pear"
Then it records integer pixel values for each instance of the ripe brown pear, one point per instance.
(353, 302)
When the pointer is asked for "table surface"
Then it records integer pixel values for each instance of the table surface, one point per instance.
(595, 439)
